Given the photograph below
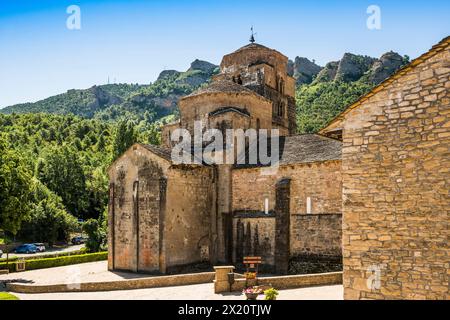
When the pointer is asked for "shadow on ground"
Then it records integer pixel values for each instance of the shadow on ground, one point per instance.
(4, 282)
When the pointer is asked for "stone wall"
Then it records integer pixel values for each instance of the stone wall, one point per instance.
(396, 182)
(291, 281)
(159, 214)
(234, 61)
(254, 235)
(187, 221)
(134, 211)
(317, 234)
(316, 243)
(282, 225)
(198, 107)
(321, 181)
(127, 284)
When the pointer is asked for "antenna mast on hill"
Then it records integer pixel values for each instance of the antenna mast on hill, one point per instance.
(252, 36)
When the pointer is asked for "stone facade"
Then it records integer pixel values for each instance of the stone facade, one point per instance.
(312, 235)
(395, 175)
(149, 231)
(320, 181)
(163, 216)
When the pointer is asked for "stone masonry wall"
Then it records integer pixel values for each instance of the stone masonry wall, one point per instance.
(396, 182)
(254, 236)
(317, 234)
(198, 108)
(134, 222)
(188, 216)
(321, 181)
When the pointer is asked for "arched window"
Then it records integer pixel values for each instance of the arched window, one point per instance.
(280, 85)
(280, 110)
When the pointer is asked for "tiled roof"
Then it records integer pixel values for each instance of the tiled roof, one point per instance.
(304, 148)
(229, 109)
(164, 153)
(223, 86)
(252, 46)
(309, 148)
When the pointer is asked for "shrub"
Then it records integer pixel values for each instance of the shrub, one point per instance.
(50, 255)
(58, 261)
(270, 294)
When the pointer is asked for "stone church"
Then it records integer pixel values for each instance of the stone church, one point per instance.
(164, 216)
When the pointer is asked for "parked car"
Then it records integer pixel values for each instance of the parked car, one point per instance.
(26, 248)
(1, 253)
(78, 240)
(40, 247)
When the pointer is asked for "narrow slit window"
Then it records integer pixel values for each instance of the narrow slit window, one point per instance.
(308, 205)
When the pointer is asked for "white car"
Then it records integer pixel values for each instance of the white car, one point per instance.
(1, 253)
(40, 247)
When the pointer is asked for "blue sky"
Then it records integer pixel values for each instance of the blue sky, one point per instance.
(132, 41)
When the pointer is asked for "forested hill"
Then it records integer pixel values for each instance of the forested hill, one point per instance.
(133, 101)
(322, 92)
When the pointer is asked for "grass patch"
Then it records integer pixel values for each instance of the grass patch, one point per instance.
(7, 296)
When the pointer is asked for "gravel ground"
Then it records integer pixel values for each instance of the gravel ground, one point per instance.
(191, 292)
(97, 271)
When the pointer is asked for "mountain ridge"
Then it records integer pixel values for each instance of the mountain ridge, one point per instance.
(347, 78)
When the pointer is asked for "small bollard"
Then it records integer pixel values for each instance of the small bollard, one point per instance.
(222, 279)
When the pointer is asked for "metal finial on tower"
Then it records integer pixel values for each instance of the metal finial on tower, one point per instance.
(252, 36)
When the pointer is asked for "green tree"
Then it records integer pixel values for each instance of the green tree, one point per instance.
(124, 138)
(154, 134)
(48, 221)
(319, 103)
(101, 144)
(97, 235)
(62, 173)
(15, 190)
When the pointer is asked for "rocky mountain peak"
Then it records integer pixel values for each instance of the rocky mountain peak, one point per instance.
(352, 67)
(382, 68)
(328, 73)
(201, 65)
(165, 74)
(303, 70)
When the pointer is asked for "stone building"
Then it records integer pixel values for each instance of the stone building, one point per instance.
(164, 215)
(396, 182)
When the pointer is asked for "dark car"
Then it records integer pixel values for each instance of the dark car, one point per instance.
(40, 247)
(26, 248)
(78, 240)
